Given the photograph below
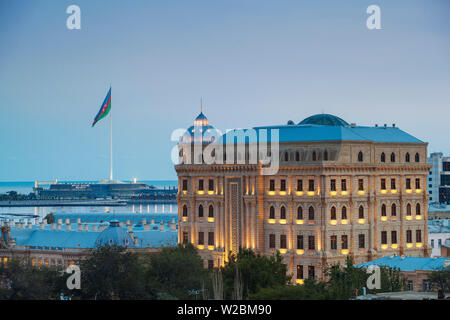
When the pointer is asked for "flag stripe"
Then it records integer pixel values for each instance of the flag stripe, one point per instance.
(104, 109)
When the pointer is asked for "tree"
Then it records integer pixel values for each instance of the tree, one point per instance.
(177, 272)
(112, 273)
(345, 283)
(50, 218)
(310, 290)
(255, 272)
(440, 279)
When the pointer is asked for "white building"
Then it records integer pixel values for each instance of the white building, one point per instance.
(438, 233)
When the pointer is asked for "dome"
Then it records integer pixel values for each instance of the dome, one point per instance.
(201, 131)
(324, 119)
(114, 235)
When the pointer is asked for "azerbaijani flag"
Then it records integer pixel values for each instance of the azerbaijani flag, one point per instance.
(104, 109)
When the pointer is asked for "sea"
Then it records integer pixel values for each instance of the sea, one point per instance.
(25, 187)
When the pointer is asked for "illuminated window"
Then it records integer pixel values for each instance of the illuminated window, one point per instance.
(299, 213)
(360, 184)
(185, 237)
(333, 185)
(344, 242)
(299, 272)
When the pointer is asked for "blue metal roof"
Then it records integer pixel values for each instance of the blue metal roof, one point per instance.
(407, 263)
(325, 119)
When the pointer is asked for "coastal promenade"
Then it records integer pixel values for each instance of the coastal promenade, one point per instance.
(82, 203)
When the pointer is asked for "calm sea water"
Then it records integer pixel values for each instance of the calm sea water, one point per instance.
(28, 212)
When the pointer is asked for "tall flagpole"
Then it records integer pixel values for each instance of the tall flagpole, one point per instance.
(111, 143)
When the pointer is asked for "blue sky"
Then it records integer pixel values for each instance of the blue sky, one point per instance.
(253, 62)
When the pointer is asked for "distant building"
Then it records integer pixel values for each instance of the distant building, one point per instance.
(438, 234)
(439, 178)
(62, 244)
(341, 190)
(415, 269)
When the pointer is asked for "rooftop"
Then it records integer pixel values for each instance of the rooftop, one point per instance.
(404, 263)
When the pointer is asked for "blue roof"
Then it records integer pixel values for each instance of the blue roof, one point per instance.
(115, 235)
(407, 263)
(325, 119)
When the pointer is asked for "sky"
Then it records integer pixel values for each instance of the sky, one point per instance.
(253, 62)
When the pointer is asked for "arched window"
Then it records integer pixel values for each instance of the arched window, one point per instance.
(200, 211)
(325, 155)
(418, 209)
(408, 209)
(333, 213)
(383, 210)
(393, 210)
(407, 157)
(272, 213)
(211, 211)
(361, 212)
(392, 157)
(185, 211)
(283, 213)
(417, 157)
(314, 157)
(344, 213)
(299, 213)
(297, 156)
(286, 156)
(383, 157)
(311, 213)
(360, 156)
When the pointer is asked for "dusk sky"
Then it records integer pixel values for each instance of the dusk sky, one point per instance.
(253, 63)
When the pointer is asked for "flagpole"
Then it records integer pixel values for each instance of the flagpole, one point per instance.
(111, 144)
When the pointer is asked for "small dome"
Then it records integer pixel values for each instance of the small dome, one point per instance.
(114, 235)
(201, 131)
(324, 119)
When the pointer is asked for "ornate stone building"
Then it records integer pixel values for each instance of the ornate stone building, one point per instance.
(341, 190)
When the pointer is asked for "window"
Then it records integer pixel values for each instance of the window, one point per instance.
(299, 185)
(408, 209)
(383, 210)
(360, 156)
(410, 285)
(383, 157)
(299, 213)
(394, 237)
(272, 185)
(211, 212)
(185, 237)
(311, 185)
(271, 212)
(432, 243)
(210, 264)
(333, 213)
(297, 156)
(286, 156)
(300, 242)
(418, 235)
(333, 242)
(325, 155)
(311, 243)
(299, 272)
(417, 183)
(200, 211)
(360, 184)
(185, 185)
(408, 183)
(344, 242)
(311, 274)
(393, 184)
(393, 210)
(384, 237)
(426, 285)
(408, 236)
(283, 213)
(283, 241)
(333, 185)
(210, 238)
(211, 185)
(418, 209)
(361, 241)
(417, 157)
(439, 243)
(201, 239)
(344, 213)
(361, 212)
(383, 184)
(344, 185)
(311, 213)
(185, 211)
(271, 241)
(314, 157)
(200, 184)
(392, 157)
(407, 157)
(283, 185)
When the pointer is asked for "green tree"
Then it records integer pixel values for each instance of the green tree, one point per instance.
(255, 271)
(50, 218)
(347, 282)
(440, 279)
(177, 272)
(112, 273)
